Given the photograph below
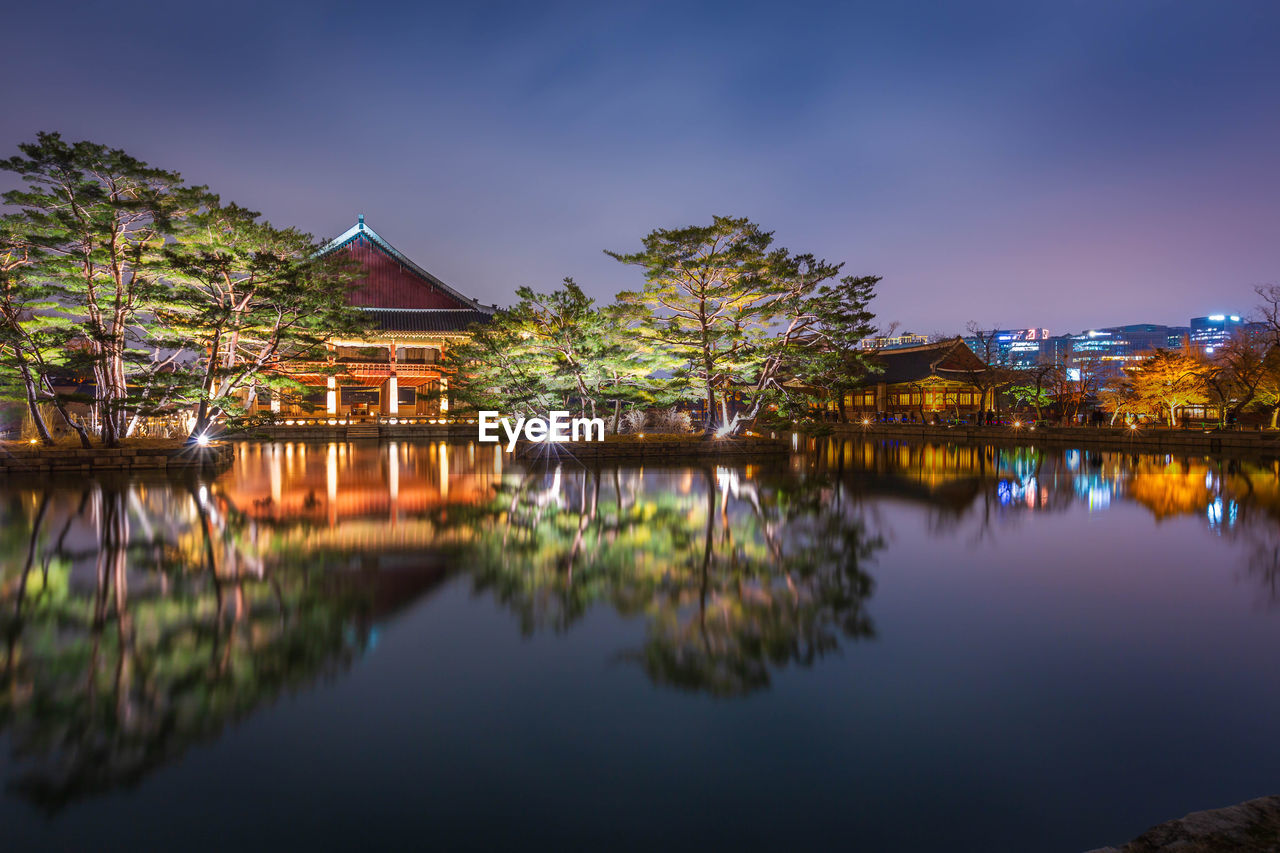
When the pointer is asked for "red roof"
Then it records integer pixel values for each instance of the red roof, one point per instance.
(391, 280)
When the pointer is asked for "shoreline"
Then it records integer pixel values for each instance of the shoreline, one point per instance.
(1102, 438)
(36, 459)
(1249, 827)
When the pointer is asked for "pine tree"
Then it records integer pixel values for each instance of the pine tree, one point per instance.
(96, 221)
(708, 300)
(741, 318)
(249, 299)
(835, 360)
(558, 350)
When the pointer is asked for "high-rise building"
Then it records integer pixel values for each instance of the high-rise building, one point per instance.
(1109, 350)
(1016, 348)
(1209, 333)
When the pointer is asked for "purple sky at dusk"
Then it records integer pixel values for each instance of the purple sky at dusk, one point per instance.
(1018, 164)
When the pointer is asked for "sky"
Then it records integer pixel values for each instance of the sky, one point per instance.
(1063, 165)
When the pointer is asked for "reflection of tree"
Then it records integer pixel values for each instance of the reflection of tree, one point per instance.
(735, 575)
(134, 628)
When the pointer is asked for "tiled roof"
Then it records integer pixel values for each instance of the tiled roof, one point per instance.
(425, 319)
(950, 359)
(390, 279)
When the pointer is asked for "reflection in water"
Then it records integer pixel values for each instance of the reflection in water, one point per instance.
(140, 616)
(735, 571)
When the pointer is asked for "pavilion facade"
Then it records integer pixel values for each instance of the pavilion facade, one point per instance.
(393, 369)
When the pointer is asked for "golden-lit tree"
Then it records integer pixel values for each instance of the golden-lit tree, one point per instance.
(1168, 380)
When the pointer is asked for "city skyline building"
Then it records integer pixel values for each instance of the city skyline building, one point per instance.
(883, 342)
(1017, 348)
(1209, 333)
(1106, 349)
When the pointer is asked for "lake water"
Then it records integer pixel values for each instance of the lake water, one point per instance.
(870, 646)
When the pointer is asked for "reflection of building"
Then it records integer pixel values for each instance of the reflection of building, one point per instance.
(325, 485)
(395, 368)
(922, 379)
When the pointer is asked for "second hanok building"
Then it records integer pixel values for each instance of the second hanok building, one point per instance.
(927, 379)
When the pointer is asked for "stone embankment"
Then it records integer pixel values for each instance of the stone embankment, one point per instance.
(63, 459)
(1250, 827)
(1146, 440)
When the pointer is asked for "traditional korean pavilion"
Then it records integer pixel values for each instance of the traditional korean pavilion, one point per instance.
(924, 379)
(395, 368)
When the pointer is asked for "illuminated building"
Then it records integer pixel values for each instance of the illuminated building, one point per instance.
(1107, 351)
(1016, 348)
(906, 339)
(394, 369)
(1209, 333)
(924, 379)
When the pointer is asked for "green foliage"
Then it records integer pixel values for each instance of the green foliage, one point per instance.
(95, 221)
(833, 359)
(249, 297)
(744, 320)
(117, 277)
(1031, 395)
(557, 351)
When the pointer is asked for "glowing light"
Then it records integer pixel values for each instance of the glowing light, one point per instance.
(32, 441)
(1017, 423)
(202, 439)
(640, 435)
(1133, 426)
(866, 421)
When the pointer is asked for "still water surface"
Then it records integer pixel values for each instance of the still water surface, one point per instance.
(872, 646)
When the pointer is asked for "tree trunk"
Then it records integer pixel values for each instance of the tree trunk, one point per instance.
(66, 417)
(33, 405)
